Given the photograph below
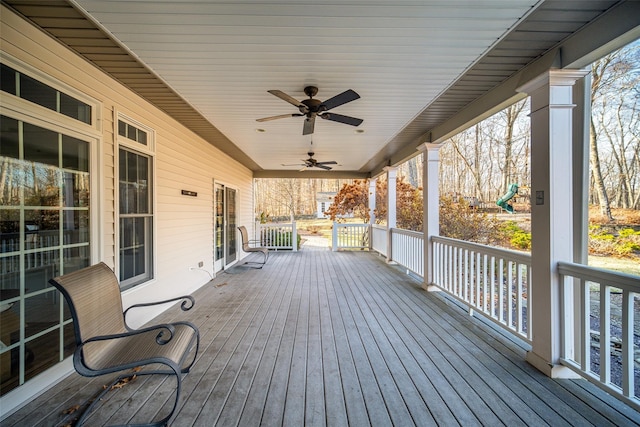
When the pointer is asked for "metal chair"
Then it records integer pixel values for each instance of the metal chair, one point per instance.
(248, 248)
(106, 344)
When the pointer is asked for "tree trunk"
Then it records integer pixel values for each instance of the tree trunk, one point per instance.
(594, 158)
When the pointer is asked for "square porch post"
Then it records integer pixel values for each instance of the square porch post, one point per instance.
(372, 209)
(551, 210)
(431, 207)
(372, 200)
(392, 173)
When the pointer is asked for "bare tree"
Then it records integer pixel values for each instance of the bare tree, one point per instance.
(510, 116)
(614, 98)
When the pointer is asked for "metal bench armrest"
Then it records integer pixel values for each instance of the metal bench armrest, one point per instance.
(162, 328)
(186, 305)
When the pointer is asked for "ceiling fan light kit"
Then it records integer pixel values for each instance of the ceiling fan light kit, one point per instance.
(312, 108)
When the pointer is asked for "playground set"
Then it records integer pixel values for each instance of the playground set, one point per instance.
(503, 201)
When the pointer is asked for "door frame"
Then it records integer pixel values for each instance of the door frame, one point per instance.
(223, 261)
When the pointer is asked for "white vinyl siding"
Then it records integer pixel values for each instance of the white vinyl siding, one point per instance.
(183, 225)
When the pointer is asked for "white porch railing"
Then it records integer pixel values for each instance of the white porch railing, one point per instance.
(379, 239)
(408, 249)
(493, 282)
(600, 309)
(598, 306)
(350, 236)
(278, 236)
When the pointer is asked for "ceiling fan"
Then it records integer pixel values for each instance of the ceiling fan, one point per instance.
(313, 163)
(312, 108)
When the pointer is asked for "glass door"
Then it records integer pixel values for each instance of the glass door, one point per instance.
(225, 247)
(230, 207)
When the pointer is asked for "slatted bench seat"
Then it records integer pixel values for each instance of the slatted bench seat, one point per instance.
(106, 344)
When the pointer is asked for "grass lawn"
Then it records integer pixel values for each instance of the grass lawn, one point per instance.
(321, 227)
(629, 266)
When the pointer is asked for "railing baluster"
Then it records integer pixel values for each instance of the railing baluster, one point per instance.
(501, 302)
(478, 280)
(486, 307)
(585, 327)
(510, 293)
(605, 333)
(493, 287)
(627, 344)
(519, 298)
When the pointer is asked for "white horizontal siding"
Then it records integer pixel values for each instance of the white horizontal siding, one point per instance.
(183, 160)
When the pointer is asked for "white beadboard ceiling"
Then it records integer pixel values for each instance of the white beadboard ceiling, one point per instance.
(223, 56)
(415, 64)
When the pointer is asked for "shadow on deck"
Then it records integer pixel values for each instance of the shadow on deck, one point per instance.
(340, 338)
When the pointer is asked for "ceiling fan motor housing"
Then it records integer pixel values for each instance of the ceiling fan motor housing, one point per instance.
(311, 106)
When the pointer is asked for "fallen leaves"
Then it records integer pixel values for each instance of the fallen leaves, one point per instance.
(71, 410)
(125, 380)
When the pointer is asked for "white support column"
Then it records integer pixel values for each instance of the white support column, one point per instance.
(581, 130)
(294, 236)
(372, 201)
(392, 173)
(431, 207)
(551, 210)
(580, 200)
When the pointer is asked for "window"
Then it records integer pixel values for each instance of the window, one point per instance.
(44, 232)
(25, 87)
(131, 132)
(136, 206)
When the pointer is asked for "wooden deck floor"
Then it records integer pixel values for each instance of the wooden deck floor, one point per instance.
(319, 338)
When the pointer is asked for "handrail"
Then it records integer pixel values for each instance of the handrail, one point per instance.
(615, 279)
(613, 323)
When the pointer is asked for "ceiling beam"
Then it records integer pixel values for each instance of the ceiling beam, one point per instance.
(613, 30)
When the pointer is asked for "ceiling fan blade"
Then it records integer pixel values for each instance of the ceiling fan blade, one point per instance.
(331, 162)
(281, 116)
(309, 124)
(321, 166)
(342, 119)
(293, 164)
(343, 98)
(303, 169)
(290, 99)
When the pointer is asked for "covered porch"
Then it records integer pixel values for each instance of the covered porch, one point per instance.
(315, 337)
(340, 338)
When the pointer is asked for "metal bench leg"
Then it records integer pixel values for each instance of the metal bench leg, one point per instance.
(162, 422)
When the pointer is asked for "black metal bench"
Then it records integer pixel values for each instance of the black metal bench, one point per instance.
(106, 344)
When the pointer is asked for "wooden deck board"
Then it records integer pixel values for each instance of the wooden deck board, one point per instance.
(319, 338)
